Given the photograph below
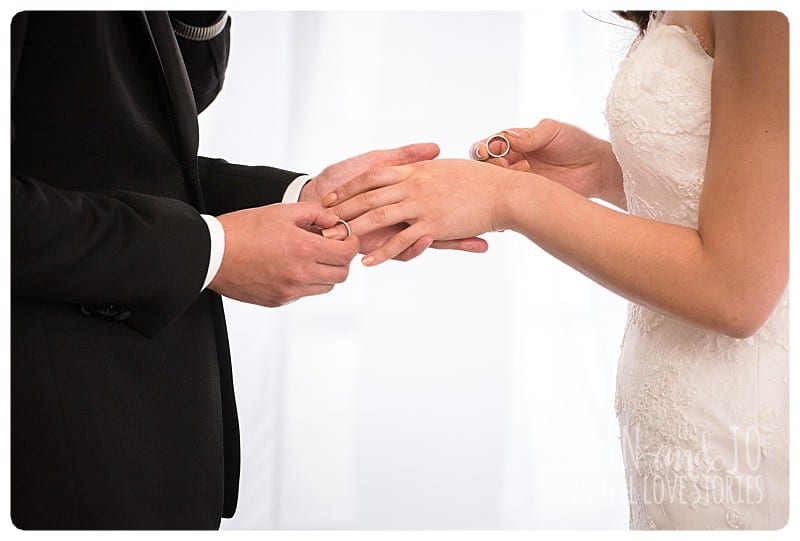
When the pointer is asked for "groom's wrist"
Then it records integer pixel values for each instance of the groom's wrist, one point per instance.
(298, 190)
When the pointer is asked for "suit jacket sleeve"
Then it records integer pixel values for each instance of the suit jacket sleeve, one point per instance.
(147, 254)
(228, 187)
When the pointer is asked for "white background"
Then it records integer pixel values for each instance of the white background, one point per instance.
(456, 391)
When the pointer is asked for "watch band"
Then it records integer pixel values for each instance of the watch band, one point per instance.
(200, 33)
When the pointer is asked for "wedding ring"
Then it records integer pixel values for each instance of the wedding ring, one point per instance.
(475, 150)
(346, 226)
(498, 137)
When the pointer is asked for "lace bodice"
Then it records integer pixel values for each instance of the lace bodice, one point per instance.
(681, 389)
(659, 114)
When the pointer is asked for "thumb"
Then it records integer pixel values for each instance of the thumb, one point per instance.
(312, 214)
(533, 139)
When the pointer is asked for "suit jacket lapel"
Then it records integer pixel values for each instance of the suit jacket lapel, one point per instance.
(179, 89)
(179, 95)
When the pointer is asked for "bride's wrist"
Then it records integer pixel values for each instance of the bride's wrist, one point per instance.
(511, 188)
(610, 185)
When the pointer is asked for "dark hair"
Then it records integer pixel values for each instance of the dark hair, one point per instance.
(640, 18)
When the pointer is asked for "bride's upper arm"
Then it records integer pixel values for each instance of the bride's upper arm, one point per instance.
(744, 208)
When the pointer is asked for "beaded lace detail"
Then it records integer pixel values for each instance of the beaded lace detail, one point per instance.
(687, 396)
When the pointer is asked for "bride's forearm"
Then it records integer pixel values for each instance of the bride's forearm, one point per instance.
(611, 185)
(659, 265)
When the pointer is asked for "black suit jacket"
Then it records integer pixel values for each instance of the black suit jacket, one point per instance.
(123, 412)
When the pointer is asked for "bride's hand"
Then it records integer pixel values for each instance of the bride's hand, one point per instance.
(565, 154)
(440, 200)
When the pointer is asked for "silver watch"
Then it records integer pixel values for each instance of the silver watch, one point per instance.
(200, 33)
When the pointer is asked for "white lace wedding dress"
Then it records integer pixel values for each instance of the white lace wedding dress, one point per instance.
(704, 418)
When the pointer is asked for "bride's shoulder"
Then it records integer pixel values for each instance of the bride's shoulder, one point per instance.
(698, 23)
(758, 31)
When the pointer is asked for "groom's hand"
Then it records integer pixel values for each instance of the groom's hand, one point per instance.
(339, 173)
(376, 239)
(273, 257)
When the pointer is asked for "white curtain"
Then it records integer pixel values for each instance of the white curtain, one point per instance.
(456, 391)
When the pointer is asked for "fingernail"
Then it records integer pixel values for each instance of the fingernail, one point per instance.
(329, 199)
(330, 233)
(515, 134)
(368, 260)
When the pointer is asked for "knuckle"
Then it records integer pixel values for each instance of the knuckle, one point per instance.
(378, 215)
(368, 198)
(371, 178)
(376, 177)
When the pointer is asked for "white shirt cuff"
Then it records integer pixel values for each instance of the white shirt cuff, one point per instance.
(292, 193)
(217, 233)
